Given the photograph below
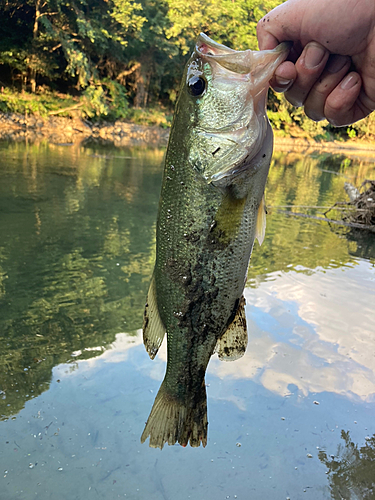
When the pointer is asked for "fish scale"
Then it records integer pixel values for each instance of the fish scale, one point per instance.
(210, 212)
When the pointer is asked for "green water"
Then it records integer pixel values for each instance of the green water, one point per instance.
(293, 418)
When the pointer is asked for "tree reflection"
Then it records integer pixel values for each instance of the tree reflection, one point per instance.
(351, 472)
(79, 276)
(291, 242)
(77, 247)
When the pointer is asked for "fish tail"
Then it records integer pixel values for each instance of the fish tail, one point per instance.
(173, 421)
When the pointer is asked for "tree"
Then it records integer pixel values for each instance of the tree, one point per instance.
(59, 38)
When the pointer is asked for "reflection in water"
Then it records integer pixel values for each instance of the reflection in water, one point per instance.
(351, 472)
(77, 239)
(321, 337)
(74, 260)
(77, 250)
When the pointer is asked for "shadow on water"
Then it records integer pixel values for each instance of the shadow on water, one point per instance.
(77, 246)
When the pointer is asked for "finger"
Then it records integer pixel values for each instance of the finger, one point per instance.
(334, 72)
(280, 24)
(346, 104)
(266, 41)
(284, 76)
(309, 67)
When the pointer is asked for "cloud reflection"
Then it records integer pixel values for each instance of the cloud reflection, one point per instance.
(313, 331)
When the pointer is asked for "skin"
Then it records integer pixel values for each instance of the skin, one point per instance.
(331, 68)
(206, 229)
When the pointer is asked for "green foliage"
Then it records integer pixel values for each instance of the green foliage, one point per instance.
(151, 116)
(364, 129)
(94, 99)
(40, 104)
(119, 108)
(113, 53)
(351, 132)
(59, 39)
(106, 99)
(230, 23)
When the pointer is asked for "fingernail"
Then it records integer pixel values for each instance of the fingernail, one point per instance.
(349, 82)
(336, 63)
(314, 55)
(283, 82)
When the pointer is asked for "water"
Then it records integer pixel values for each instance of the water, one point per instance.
(294, 418)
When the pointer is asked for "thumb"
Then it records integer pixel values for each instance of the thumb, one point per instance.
(281, 24)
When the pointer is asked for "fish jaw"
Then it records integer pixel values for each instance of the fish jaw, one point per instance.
(228, 124)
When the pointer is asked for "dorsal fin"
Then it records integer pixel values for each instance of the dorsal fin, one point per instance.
(232, 344)
(153, 327)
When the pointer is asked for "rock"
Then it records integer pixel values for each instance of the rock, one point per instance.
(57, 129)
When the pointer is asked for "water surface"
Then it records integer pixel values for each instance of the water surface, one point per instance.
(293, 418)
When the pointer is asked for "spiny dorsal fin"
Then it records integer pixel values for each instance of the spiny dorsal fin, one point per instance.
(260, 229)
(232, 345)
(153, 327)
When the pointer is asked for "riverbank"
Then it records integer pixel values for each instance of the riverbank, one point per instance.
(62, 130)
(354, 148)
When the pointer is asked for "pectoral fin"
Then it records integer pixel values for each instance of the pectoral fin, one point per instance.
(153, 327)
(260, 229)
(232, 345)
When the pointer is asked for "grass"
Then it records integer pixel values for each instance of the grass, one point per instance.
(151, 116)
(40, 104)
(47, 102)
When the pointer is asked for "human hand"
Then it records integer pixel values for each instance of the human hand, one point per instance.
(331, 67)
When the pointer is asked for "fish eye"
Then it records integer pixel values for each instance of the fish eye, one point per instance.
(197, 86)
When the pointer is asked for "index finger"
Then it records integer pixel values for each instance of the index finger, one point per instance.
(266, 40)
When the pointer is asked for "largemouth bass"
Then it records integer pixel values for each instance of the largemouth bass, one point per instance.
(211, 210)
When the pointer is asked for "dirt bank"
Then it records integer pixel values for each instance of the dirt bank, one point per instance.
(353, 149)
(59, 130)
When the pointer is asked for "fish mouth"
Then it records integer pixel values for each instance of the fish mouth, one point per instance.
(246, 133)
(259, 66)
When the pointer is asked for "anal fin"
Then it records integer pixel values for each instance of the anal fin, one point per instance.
(153, 327)
(232, 344)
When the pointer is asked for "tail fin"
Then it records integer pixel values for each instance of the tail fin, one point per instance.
(173, 421)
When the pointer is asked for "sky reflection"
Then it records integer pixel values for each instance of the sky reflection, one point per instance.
(302, 334)
(315, 332)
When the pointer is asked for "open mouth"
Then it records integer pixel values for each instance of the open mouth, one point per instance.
(258, 65)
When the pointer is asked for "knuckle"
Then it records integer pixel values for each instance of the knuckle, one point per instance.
(322, 88)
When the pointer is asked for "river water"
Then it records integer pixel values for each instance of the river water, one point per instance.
(294, 418)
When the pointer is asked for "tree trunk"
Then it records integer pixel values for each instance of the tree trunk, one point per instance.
(33, 80)
(139, 88)
(32, 69)
(142, 84)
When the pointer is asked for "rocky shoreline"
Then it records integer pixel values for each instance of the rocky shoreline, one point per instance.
(60, 130)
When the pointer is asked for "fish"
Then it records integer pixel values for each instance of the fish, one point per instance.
(211, 209)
